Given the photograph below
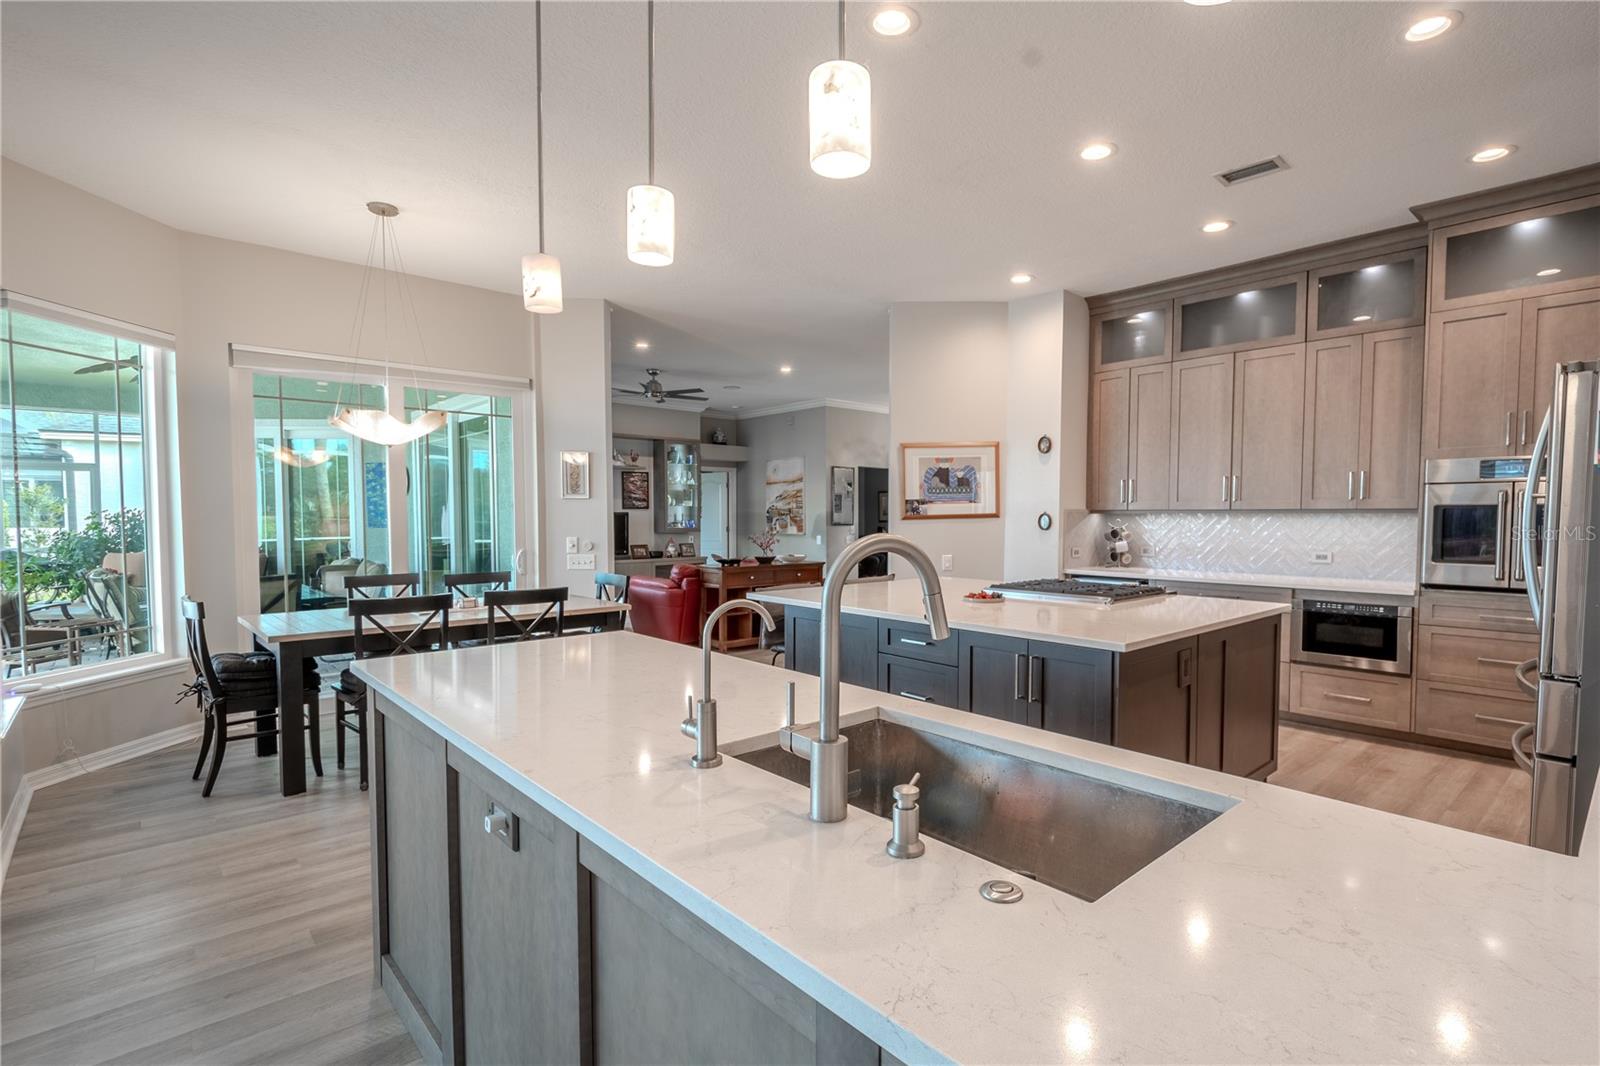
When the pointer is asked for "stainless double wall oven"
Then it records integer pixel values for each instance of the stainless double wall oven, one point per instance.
(1471, 522)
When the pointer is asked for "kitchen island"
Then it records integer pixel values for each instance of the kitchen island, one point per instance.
(1191, 678)
(624, 906)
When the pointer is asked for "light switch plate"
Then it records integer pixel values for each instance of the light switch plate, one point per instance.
(1075, 552)
(572, 544)
(580, 561)
(1322, 557)
(947, 563)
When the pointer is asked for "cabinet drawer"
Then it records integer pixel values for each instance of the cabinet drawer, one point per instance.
(1463, 714)
(911, 640)
(1501, 612)
(1350, 696)
(797, 575)
(1473, 657)
(916, 680)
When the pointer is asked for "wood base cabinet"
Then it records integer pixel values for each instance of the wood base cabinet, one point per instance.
(501, 935)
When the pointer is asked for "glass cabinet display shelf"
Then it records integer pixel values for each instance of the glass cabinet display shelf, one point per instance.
(677, 493)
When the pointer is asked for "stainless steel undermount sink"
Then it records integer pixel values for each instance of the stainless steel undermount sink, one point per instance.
(1071, 831)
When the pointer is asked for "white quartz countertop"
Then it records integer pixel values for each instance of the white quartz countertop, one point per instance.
(1276, 581)
(1114, 627)
(1291, 929)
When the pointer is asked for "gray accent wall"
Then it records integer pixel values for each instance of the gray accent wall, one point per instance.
(782, 436)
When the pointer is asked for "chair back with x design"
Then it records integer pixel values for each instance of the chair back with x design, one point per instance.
(194, 630)
(484, 581)
(506, 626)
(403, 636)
(371, 586)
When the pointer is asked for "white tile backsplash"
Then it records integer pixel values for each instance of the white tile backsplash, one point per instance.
(1375, 545)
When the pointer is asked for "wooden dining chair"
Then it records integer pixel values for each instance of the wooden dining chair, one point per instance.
(504, 626)
(380, 630)
(483, 581)
(374, 586)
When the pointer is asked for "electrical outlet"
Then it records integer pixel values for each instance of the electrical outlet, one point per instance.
(1322, 557)
(1075, 552)
(947, 563)
(572, 545)
(580, 561)
(1147, 553)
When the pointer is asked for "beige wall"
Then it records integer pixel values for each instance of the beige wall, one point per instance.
(947, 382)
(855, 439)
(785, 435)
(654, 422)
(574, 389)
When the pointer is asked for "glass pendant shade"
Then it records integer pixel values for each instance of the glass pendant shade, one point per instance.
(651, 225)
(381, 427)
(841, 119)
(541, 283)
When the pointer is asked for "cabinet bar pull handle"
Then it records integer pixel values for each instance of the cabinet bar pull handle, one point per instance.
(1526, 619)
(1509, 416)
(1499, 662)
(1034, 663)
(1224, 488)
(1236, 488)
(1130, 490)
(1522, 438)
(1122, 490)
(1350, 486)
(1347, 697)
(1497, 720)
(1363, 493)
(1019, 688)
(914, 641)
(914, 696)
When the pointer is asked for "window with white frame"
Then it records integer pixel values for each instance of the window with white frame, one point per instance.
(81, 497)
(328, 505)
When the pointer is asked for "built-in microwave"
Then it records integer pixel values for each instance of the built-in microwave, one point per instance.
(1354, 635)
(1471, 523)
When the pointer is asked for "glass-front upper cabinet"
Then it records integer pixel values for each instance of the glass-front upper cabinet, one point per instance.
(1527, 253)
(1259, 315)
(1384, 292)
(678, 495)
(1131, 336)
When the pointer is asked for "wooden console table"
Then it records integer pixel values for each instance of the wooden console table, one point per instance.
(719, 584)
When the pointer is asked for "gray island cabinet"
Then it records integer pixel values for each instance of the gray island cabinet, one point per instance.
(502, 936)
(1207, 699)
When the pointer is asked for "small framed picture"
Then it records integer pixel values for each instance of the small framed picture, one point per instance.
(574, 475)
(686, 549)
(636, 490)
(842, 495)
(950, 480)
(639, 551)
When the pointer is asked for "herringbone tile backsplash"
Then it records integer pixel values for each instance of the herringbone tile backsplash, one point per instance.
(1377, 545)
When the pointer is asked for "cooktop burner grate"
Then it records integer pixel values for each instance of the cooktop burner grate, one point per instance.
(1077, 590)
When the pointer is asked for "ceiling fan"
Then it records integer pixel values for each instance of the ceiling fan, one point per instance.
(653, 390)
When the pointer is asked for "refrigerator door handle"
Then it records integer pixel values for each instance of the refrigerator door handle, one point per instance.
(1520, 734)
(1521, 672)
(1529, 503)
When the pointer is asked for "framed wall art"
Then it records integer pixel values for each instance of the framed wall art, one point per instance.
(786, 495)
(635, 490)
(842, 495)
(574, 475)
(950, 480)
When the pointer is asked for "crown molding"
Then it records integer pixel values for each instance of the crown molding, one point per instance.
(806, 405)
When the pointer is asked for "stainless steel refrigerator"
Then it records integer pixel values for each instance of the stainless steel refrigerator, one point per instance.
(1562, 588)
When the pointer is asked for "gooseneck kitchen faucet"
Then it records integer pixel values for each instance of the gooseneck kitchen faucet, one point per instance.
(829, 752)
(702, 721)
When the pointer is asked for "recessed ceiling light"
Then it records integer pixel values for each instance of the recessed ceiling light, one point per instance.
(1021, 278)
(1134, 321)
(1216, 225)
(1431, 26)
(1204, 3)
(1095, 151)
(786, 369)
(641, 346)
(733, 388)
(1548, 272)
(1493, 153)
(735, 407)
(894, 20)
(1362, 318)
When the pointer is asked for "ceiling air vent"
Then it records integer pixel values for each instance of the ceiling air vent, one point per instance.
(1253, 170)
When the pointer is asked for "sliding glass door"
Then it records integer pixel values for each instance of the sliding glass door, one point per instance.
(461, 489)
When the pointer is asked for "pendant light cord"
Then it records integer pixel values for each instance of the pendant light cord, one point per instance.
(650, 80)
(538, 96)
(841, 29)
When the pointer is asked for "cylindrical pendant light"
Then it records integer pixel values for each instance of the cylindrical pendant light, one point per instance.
(652, 222)
(841, 115)
(541, 274)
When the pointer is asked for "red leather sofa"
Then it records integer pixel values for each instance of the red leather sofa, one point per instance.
(667, 607)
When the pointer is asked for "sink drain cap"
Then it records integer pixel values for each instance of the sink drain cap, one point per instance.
(998, 891)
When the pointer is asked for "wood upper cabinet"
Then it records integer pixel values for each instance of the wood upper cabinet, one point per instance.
(1473, 381)
(1268, 386)
(1202, 433)
(1108, 440)
(1555, 329)
(1131, 336)
(1149, 438)
(1332, 450)
(1366, 295)
(1523, 254)
(1239, 317)
(1389, 465)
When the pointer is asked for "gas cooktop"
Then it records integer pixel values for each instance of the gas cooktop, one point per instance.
(1077, 590)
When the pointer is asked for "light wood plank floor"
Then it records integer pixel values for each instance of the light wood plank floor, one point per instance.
(1472, 792)
(143, 924)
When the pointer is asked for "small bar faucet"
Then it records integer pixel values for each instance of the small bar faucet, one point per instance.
(702, 721)
(829, 753)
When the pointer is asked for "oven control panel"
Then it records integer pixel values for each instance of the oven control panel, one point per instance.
(1371, 610)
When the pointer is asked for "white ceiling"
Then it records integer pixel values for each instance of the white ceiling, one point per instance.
(275, 122)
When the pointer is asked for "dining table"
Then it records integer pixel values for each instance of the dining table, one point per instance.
(292, 637)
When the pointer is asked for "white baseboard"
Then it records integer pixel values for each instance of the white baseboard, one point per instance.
(66, 770)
